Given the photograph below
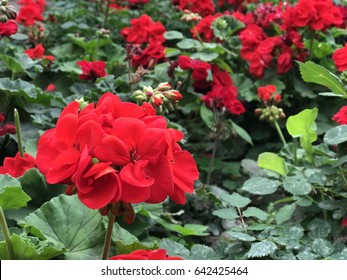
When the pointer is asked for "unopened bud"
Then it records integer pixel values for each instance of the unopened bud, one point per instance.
(3, 18)
(258, 111)
(139, 95)
(82, 103)
(11, 12)
(4, 2)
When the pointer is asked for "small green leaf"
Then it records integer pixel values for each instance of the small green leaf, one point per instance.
(306, 255)
(149, 210)
(236, 200)
(255, 212)
(273, 162)
(206, 115)
(186, 230)
(187, 44)
(336, 135)
(204, 56)
(241, 132)
(314, 73)
(261, 185)
(11, 193)
(285, 213)
(322, 247)
(173, 35)
(202, 252)
(31, 248)
(240, 236)
(297, 185)
(319, 229)
(174, 248)
(227, 214)
(261, 249)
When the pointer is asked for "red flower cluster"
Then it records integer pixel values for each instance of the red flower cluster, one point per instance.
(116, 152)
(341, 116)
(7, 128)
(18, 165)
(91, 70)
(223, 93)
(38, 53)
(199, 69)
(203, 8)
(340, 58)
(317, 14)
(159, 254)
(344, 222)
(144, 31)
(31, 11)
(8, 28)
(268, 93)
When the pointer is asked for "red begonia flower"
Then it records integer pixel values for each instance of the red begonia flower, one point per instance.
(8, 28)
(341, 116)
(91, 70)
(340, 58)
(18, 165)
(159, 254)
(29, 14)
(35, 53)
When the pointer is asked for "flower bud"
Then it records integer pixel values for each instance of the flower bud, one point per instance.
(4, 2)
(174, 95)
(139, 95)
(82, 103)
(258, 111)
(11, 12)
(3, 18)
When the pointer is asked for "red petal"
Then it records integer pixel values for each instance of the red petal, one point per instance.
(135, 174)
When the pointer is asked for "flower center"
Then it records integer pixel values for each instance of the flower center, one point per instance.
(134, 156)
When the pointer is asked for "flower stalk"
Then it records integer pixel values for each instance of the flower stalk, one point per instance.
(108, 236)
(6, 234)
(19, 133)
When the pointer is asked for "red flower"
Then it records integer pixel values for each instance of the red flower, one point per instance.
(149, 56)
(203, 8)
(199, 68)
(91, 70)
(144, 30)
(8, 28)
(18, 165)
(344, 222)
(341, 116)
(29, 14)
(340, 58)
(35, 53)
(267, 92)
(159, 254)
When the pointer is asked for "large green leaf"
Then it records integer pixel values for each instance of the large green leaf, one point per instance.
(36, 186)
(174, 248)
(336, 135)
(261, 185)
(11, 193)
(297, 185)
(319, 228)
(322, 247)
(314, 73)
(227, 213)
(272, 162)
(240, 236)
(202, 252)
(241, 132)
(207, 116)
(173, 35)
(31, 248)
(255, 212)
(126, 243)
(66, 221)
(261, 249)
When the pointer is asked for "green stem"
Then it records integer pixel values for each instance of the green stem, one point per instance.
(106, 13)
(279, 131)
(197, 35)
(242, 220)
(108, 236)
(343, 176)
(19, 133)
(295, 151)
(6, 233)
(211, 163)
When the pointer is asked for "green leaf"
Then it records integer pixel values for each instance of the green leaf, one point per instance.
(245, 87)
(126, 243)
(153, 211)
(295, 232)
(31, 248)
(336, 135)
(202, 252)
(173, 35)
(36, 186)
(90, 46)
(303, 125)
(236, 200)
(255, 212)
(285, 213)
(297, 185)
(315, 73)
(188, 44)
(241, 132)
(13, 64)
(225, 26)
(240, 236)
(174, 248)
(204, 56)
(261, 249)
(306, 255)
(207, 116)
(186, 230)
(66, 221)
(261, 185)
(273, 162)
(11, 193)
(322, 247)
(227, 214)
(319, 229)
